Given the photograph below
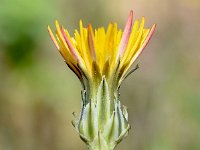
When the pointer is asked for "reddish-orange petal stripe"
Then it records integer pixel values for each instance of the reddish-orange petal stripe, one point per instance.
(71, 48)
(146, 41)
(126, 35)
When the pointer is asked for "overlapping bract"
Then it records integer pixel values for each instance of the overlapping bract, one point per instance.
(97, 125)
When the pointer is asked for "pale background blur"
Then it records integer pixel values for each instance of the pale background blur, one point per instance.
(38, 93)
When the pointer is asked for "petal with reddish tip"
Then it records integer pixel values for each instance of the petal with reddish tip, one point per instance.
(53, 38)
(59, 35)
(126, 35)
(136, 55)
(145, 42)
(71, 48)
(142, 47)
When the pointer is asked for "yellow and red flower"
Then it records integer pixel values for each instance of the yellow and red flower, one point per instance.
(102, 60)
(91, 52)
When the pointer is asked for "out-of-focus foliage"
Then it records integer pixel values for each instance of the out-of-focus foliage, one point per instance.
(38, 93)
(21, 28)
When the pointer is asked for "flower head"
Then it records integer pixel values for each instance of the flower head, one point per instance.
(95, 53)
(101, 59)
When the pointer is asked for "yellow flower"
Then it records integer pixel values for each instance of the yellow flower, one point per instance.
(97, 53)
(102, 60)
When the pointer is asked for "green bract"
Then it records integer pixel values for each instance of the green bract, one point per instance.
(100, 127)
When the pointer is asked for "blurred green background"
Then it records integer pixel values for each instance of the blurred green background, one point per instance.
(38, 93)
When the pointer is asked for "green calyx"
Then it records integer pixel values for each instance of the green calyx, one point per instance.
(103, 123)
